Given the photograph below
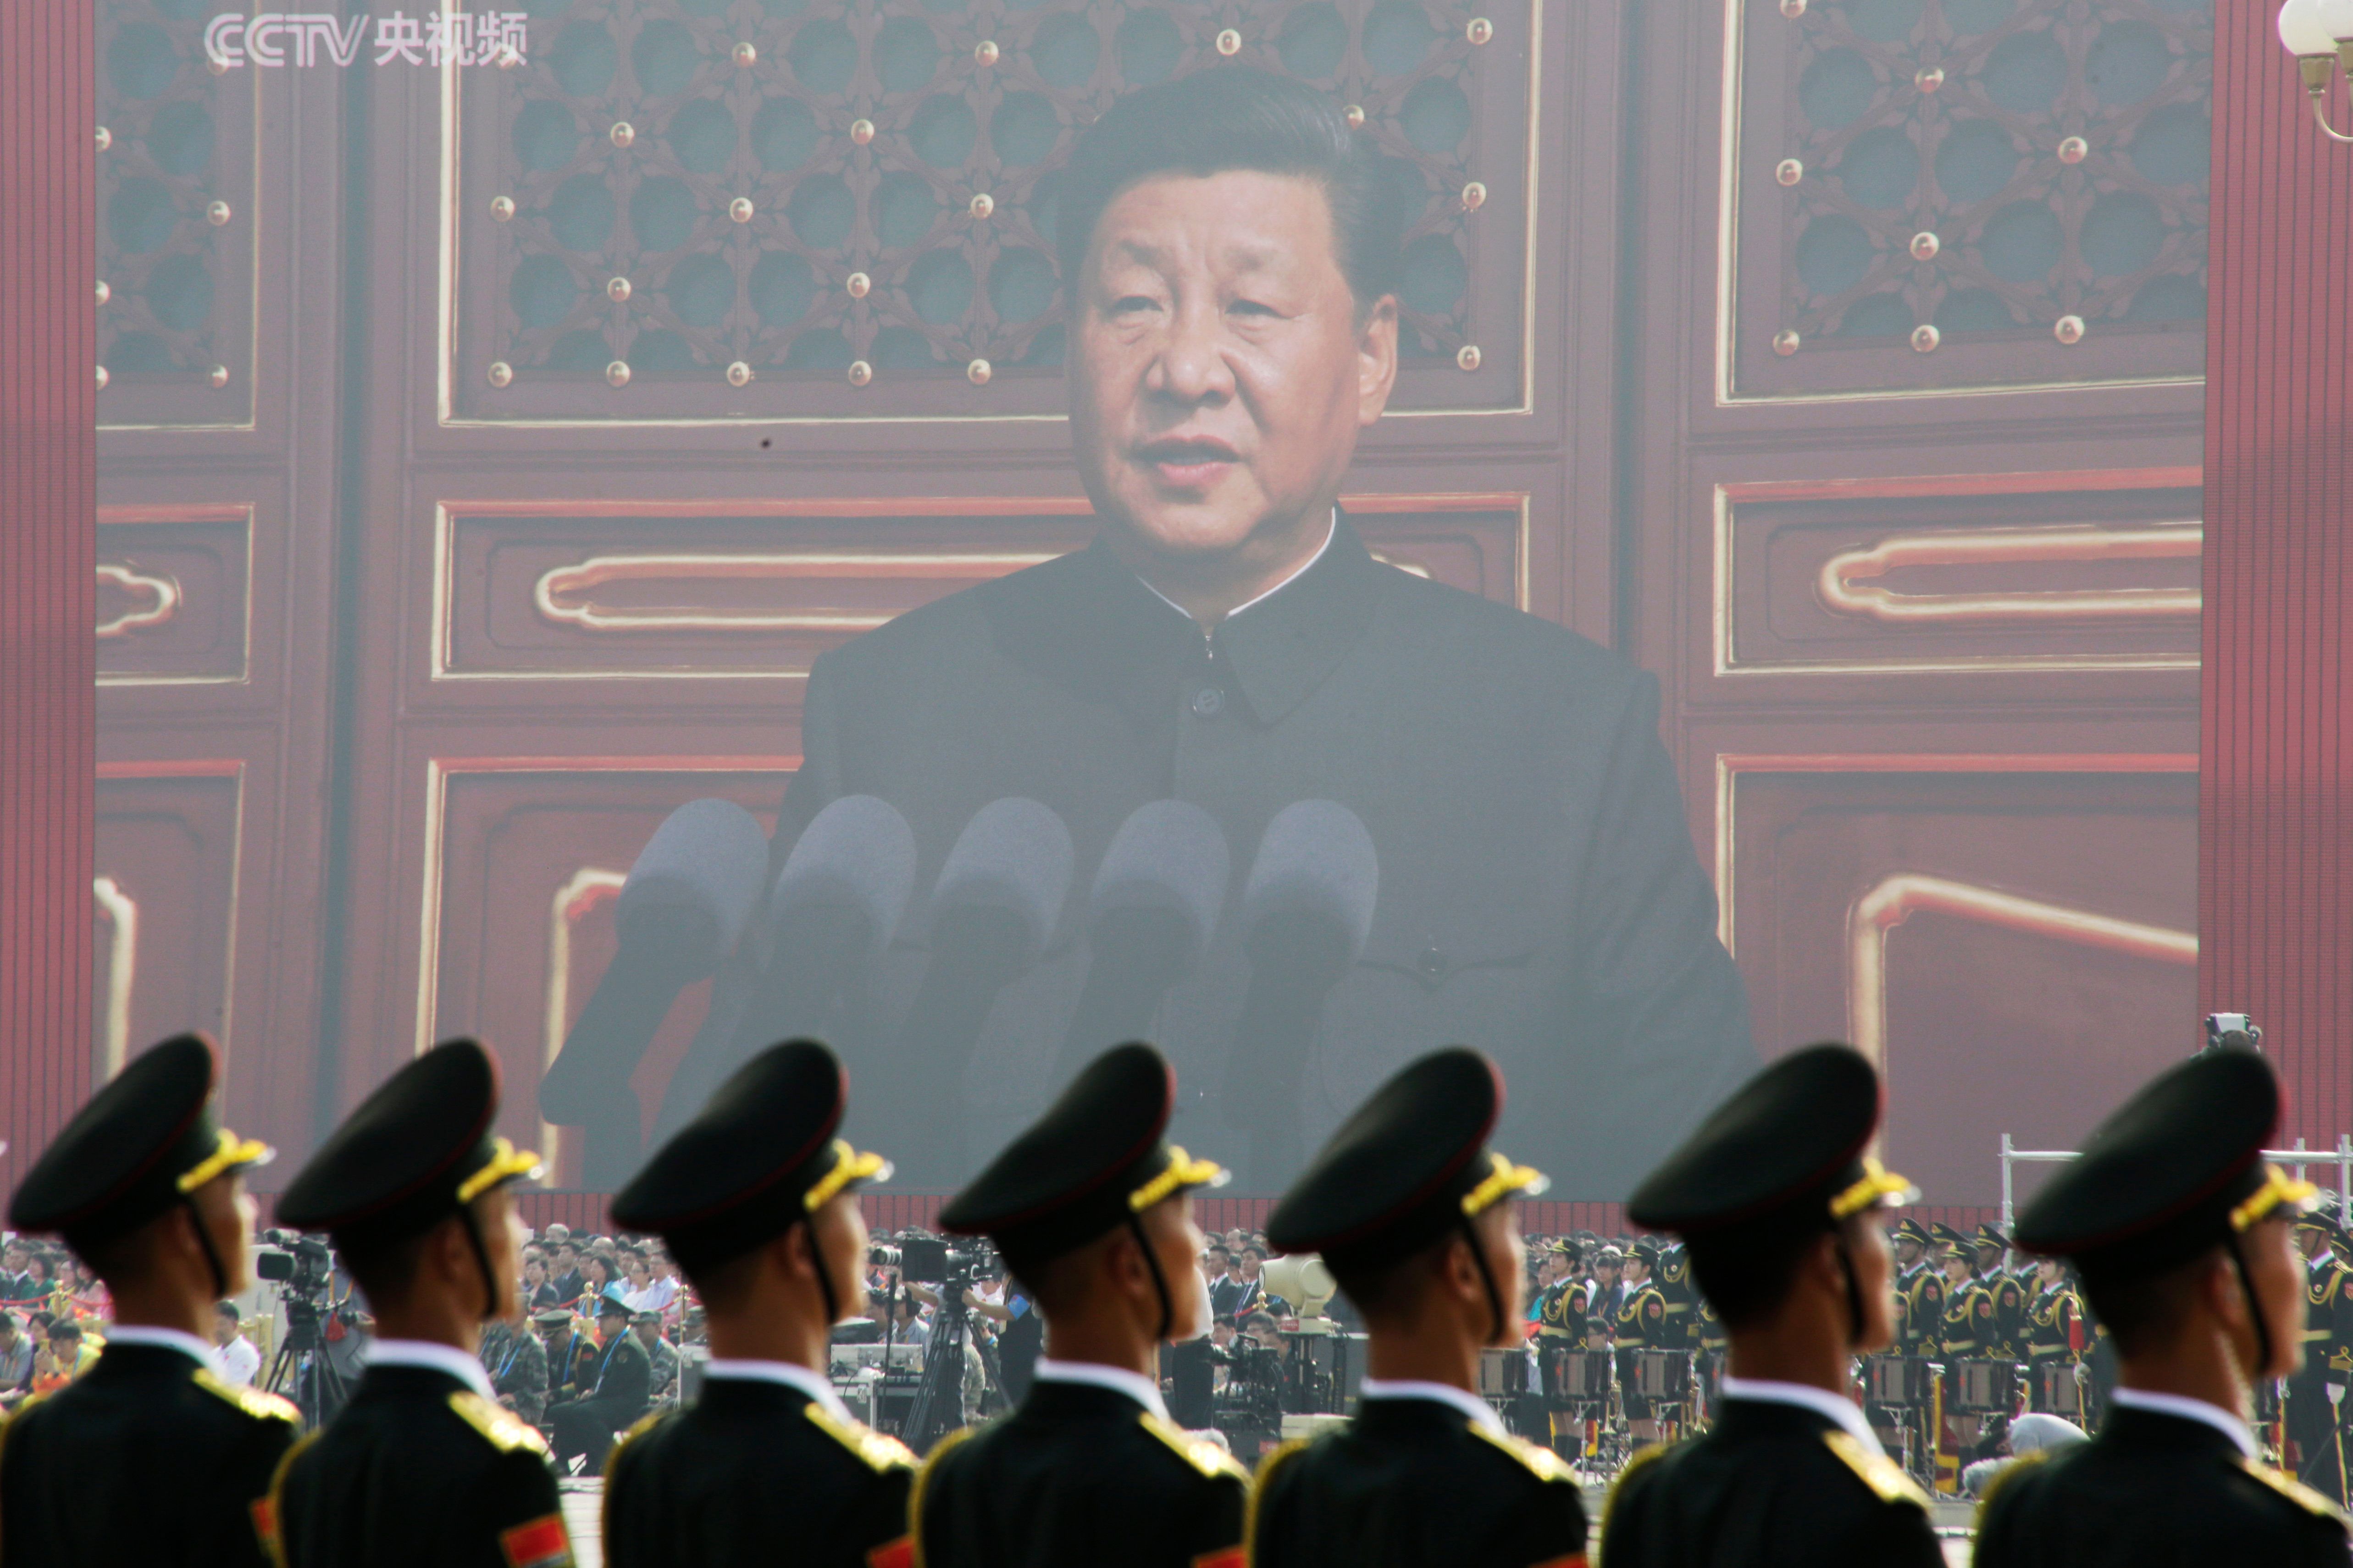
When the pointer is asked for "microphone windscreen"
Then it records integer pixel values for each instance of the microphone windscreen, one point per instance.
(1014, 857)
(1170, 855)
(709, 856)
(858, 851)
(1316, 858)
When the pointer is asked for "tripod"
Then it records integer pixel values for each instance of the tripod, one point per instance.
(938, 1407)
(301, 1365)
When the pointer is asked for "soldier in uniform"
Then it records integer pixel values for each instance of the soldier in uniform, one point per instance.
(150, 1458)
(559, 1334)
(1681, 1295)
(2180, 1235)
(617, 1386)
(1921, 1292)
(1413, 1214)
(1780, 1211)
(1966, 1329)
(517, 1364)
(1561, 1304)
(2054, 1334)
(2315, 1395)
(422, 1464)
(1642, 1326)
(1091, 1208)
(2008, 1292)
(757, 1199)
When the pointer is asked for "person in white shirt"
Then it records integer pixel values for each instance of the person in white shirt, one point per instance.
(236, 1355)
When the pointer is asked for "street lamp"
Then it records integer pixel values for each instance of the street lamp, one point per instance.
(2319, 34)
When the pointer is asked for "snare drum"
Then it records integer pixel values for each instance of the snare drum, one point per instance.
(2059, 1393)
(1985, 1386)
(1580, 1375)
(1895, 1380)
(1662, 1374)
(1502, 1372)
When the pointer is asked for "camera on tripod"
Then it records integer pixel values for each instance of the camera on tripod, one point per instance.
(301, 1266)
(932, 1260)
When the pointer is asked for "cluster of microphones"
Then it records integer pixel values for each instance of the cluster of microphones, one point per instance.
(795, 953)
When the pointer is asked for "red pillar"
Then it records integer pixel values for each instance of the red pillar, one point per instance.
(48, 531)
(2276, 819)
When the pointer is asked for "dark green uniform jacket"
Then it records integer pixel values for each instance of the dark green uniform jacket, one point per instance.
(1768, 1486)
(756, 1473)
(2154, 1491)
(1415, 1483)
(149, 1458)
(1079, 1476)
(1539, 898)
(419, 1468)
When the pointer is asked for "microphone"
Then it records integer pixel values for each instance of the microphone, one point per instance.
(1156, 902)
(1307, 909)
(998, 901)
(837, 905)
(684, 907)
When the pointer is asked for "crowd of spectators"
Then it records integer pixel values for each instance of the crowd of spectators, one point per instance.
(607, 1321)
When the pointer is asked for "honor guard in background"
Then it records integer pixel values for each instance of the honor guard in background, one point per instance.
(1413, 1214)
(2316, 1395)
(2008, 1291)
(150, 1458)
(1780, 1209)
(1561, 1305)
(1920, 1290)
(1090, 1209)
(421, 1466)
(1965, 1330)
(2180, 1235)
(2054, 1333)
(1675, 1287)
(757, 1199)
(1642, 1326)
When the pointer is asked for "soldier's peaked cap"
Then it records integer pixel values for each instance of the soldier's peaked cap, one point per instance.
(2178, 1168)
(138, 1146)
(1408, 1166)
(1787, 1147)
(415, 1152)
(1096, 1156)
(762, 1156)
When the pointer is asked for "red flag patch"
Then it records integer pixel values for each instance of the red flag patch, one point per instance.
(899, 1553)
(541, 1543)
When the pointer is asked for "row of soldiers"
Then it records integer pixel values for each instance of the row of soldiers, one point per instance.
(2177, 1227)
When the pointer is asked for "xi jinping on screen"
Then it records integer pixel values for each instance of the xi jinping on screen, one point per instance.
(1493, 851)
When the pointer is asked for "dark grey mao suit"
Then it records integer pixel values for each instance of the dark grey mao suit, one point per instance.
(1539, 898)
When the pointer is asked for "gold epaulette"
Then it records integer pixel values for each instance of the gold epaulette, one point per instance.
(1275, 1459)
(643, 1425)
(2295, 1492)
(252, 1401)
(1634, 1467)
(880, 1453)
(1542, 1462)
(269, 1513)
(1882, 1475)
(1199, 1452)
(507, 1431)
(923, 1479)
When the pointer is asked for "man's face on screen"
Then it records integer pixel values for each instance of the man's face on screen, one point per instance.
(1220, 367)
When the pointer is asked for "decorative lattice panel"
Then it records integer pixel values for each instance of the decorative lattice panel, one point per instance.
(849, 205)
(176, 220)
(1953, 193)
